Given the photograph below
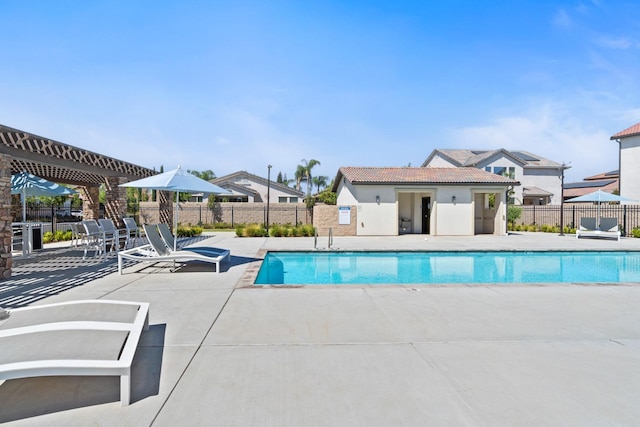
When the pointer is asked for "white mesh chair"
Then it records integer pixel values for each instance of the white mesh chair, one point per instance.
(132, 232)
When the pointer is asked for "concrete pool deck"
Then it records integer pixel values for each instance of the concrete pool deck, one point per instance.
(221, 352)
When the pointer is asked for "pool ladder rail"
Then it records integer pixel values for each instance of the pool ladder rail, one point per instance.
(329, 240)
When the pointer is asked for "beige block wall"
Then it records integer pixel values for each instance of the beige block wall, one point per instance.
(326, 216)
(231, 213)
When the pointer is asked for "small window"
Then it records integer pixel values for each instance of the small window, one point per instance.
(282, 199)
(487, 168)
(293, 200)
(500, 170)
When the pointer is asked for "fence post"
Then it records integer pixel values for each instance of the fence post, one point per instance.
(232, 223)
(534, 214)
(624, 219)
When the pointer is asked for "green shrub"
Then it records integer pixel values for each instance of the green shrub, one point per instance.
(58, 236)
(308, 230)
(190, 231)
(277, 231)
(513, 213)
(251, 230)
(635, 232)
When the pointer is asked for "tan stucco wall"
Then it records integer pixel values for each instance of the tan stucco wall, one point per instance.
(629, 170)
(327, 216)
(447, 218)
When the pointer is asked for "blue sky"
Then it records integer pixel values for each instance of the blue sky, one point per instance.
(238, 85)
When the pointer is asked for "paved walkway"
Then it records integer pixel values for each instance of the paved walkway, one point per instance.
(220, 352)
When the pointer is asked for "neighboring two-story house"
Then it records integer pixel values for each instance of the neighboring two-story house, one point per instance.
(247, 187)
(629, 154)
(540, 178)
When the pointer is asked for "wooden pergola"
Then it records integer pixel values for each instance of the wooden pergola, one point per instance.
(58, 162)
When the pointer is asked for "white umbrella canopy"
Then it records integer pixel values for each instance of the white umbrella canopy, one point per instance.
(27, 184)
(599, 197)
(177, 180)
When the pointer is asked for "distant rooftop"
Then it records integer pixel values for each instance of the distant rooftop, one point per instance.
(466, 157)
(408, 175)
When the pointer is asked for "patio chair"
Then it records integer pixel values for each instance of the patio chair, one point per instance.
(78, 234)
(95, 238)
(88, 337)
(158, 251)
(132, 232)
(117, 236)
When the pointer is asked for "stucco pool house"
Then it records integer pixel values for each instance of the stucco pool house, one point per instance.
(433, 201)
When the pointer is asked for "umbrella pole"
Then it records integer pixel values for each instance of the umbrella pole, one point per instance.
(24, 204)
(175, 223)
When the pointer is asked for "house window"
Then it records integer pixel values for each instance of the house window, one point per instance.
(509, 172)
(282, 199)
(293, 200)
(499, 170)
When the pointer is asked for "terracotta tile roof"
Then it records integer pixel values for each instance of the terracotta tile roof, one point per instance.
(631, 131)
(408, 175)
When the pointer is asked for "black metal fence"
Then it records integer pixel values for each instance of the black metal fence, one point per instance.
(628, 215)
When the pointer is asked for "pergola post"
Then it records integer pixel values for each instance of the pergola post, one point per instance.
(165, 207)
(6, 233)
(90, 202)
(116, 200)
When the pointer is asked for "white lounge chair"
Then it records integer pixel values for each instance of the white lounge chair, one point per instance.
(608, 228)
(171, 242)
(89, 337)
(157, 251)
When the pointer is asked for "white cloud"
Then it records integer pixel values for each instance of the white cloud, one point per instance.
(561, 19)
(616, 42)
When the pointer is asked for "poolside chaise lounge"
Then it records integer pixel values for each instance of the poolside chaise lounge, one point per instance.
(608, 228)
(87, 338)
(158, 251)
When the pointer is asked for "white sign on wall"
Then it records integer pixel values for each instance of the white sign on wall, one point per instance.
(344, 215)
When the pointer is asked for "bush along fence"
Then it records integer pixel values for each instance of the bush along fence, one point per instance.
(547, 217)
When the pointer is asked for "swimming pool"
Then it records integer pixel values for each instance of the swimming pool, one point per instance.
(352, 268)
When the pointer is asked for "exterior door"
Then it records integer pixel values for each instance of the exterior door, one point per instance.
(426, 215)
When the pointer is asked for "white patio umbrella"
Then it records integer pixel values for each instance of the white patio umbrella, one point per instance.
(599, 197)
(177, 180)
(27, 184)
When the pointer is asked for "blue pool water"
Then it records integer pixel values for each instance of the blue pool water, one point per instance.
(351, 268)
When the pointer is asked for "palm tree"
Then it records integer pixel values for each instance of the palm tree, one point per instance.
(206, 175)
(320, 181)
(300, 175)
(306, 167)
